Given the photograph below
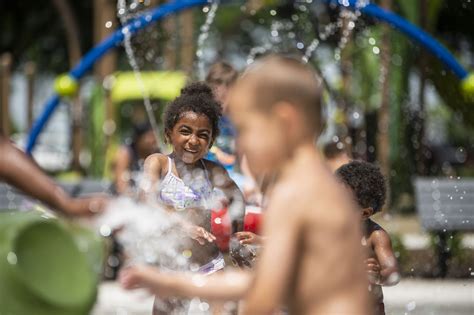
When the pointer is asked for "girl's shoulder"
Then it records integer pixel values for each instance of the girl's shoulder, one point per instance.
(156, 161)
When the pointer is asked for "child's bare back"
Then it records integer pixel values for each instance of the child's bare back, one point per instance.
(309, 218)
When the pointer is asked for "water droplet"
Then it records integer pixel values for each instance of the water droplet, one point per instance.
(11, 258)
(204, 306)
(105, 230)
(187, 253)
(108, 24)
(411, 306)
(113, 261)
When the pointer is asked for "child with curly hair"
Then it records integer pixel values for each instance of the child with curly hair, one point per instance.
(368, 185)
(189, 184)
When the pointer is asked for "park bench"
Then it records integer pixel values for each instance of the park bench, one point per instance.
(445, 206)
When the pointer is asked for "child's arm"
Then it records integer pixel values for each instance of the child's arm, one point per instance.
(277, 260)
(246, 238)
(382, 245)
(224, 286)
(18, 170)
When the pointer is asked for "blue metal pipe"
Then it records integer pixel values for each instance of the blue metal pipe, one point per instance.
(97, 52)
(146, 19)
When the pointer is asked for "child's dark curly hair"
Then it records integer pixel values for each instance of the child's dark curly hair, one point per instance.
(366, 181)
(198, 98)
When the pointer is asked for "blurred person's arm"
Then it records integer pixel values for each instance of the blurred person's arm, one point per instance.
(221, 286)
(249, 238)
(121, 170)
(388, 274)
(277, 259)
(18, 170)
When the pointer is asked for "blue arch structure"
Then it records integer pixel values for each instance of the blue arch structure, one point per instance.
(147, 18)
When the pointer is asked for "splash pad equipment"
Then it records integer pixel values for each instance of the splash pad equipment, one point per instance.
(46, 267)
(154, 15)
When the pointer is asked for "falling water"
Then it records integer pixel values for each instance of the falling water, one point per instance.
(310, 49)
(122, 15)
(211, 14)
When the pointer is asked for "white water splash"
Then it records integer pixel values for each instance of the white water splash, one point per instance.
(310, 50)
(211, 14)
(124, 17)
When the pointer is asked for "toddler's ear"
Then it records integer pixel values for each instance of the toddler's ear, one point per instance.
(367, 212)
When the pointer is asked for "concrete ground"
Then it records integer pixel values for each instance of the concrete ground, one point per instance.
(410, 297)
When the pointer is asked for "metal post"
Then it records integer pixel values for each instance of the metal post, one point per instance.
(5, 78)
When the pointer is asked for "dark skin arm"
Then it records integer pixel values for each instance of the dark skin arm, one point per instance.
(18, 170)
(388, 274)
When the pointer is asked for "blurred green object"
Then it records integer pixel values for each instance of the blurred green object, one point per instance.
(468, 87)
(65, 85)
(164, 85)
(46, 266)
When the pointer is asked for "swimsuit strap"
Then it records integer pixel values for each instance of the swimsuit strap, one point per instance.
(206, 173)
(170, 166)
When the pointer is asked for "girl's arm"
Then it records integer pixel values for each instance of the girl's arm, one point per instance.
(221, 286)
(152, 175)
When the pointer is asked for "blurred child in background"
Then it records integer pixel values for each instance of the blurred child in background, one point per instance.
(367, 184)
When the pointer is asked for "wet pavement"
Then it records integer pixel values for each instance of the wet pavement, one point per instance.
(410, 296)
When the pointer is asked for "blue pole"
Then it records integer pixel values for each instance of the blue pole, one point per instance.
(97, 52)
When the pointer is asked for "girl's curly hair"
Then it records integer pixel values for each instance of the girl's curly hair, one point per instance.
(198, 98)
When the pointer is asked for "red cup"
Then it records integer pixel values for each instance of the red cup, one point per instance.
(252, 219)
(221, 228)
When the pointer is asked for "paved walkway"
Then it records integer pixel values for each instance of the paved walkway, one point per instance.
(410, 296)
(436, 297)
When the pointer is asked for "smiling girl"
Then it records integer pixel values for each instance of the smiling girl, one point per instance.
(187, 183)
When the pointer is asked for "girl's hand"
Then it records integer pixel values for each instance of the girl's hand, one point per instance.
(200, 234)
(248, 238)
(373, 270)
